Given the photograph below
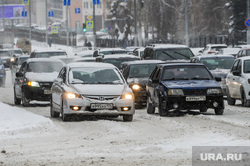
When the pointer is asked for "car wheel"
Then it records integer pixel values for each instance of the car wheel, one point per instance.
(64, 116)
(16, 100)
(244, 101)
(219, 111)
(25, 101)
(230, 101)
(150, 107)
(127, 118)
(203, 110)
(53, 114)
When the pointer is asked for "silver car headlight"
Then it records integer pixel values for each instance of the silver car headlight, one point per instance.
(175, 92)
(214, 91)
(127, 96)
(71, 95)
(33, 84)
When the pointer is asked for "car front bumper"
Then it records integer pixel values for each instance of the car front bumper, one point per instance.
(180, 102)
(37, 93)
(140, 97)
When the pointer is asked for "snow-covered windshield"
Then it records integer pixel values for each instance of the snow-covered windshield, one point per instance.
(93, 75)
(49, 54)
(220, 63)
(170, 54)
(186, 73)
(44, 67)
(141, 70)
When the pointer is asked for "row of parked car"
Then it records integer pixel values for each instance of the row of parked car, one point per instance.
(170, 83)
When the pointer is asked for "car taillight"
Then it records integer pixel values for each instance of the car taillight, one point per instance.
(211, 52)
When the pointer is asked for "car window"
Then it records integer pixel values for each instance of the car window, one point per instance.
(4, 53)
(44, 67)
(22, 59)
(220, 63)
(62, 74)
(49, 54)
(170, 54)
(186, 73)
(238, 68)
(141, 70)
(156, 74)
(246, 66)
(94, 75)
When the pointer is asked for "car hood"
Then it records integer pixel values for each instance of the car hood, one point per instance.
(141, 81)
(190, 84)
(41, 77)
(99, 89)
(220, 72)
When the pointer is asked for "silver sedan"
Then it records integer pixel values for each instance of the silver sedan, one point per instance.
(91, 89)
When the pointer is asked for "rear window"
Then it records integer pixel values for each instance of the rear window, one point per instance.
(172, 54)
(49, 54)
(141, 70)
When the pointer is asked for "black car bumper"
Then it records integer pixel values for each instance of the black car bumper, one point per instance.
(140, 97)
(213, 102)
(37, 93)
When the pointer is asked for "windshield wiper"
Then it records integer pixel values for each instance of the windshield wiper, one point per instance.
(168, 55)
(197, 78)
(182, 55)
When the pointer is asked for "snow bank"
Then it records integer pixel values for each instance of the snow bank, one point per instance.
(14, 121)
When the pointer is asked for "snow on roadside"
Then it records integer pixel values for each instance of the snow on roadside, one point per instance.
(16, 121)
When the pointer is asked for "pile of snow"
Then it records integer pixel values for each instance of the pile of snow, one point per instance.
(15, 121)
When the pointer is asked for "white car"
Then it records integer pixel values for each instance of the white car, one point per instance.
(212, 48)
(238, 82)
(91, 88)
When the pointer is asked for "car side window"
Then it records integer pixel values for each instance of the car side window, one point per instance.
(146, 54)
(156, 75)
(234, 67)
(62, 74)
(22, 68)
(238, 68)
(243, 53)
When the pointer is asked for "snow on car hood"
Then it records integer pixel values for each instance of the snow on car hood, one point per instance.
(41, 77)
(220, 72)
(99, 89)
(141, 81)
(189, 84)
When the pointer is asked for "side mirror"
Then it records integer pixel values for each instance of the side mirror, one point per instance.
(236, 73)
(201, 51)
(218, 79)
(58, 81)
(19, 74)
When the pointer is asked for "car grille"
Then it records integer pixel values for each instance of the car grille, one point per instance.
(195, 92)
(101, 98)
(45, 84)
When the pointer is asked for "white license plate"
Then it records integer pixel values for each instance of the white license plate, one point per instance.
(101, 106)
(47, 92)
(196, 98)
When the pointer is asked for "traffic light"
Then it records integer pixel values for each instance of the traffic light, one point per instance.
(84, 29)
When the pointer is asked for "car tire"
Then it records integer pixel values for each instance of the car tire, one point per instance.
(17, 101)
(127, 118)
(230, 101)
(53, 114)
(244, 101)
(25, 101)
(162, 112)
(64, 116)
(219, 111)
(150, 107)
(203, 110)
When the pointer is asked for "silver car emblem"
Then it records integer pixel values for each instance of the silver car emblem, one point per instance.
(101, 98)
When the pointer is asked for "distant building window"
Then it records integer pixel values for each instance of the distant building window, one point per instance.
(86, 5)
(99, 5)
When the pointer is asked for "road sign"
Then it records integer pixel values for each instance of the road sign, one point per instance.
(90, 24)
(77, 10)
(51, 13)
(54, 29)
(66, 2)
(25, 2)
(89, 17)
(24, 13)
(96, 2)
(247, 22)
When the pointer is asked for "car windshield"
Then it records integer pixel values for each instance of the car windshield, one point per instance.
(44, 67)
(4, 53)
(113, 52)
(141, 70)
(247, 66)
(22, 59)
(117, 62)
(218, 63)
(49, 54)
(186, 73)
(94, 75)
(217, 48)
(170, 54)
(18, 52)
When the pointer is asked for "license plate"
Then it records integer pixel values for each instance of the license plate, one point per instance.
(196, 98)
(47, 92)
(101, 106)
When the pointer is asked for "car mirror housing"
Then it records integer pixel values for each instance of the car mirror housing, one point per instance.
(58, 81)
(236, 73)
(218, 79)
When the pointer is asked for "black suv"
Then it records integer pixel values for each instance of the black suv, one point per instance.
(183, 86)
(167, 52)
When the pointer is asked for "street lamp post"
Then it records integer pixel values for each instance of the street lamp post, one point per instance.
(135, 15)
(248, 16)
(186, 23)
(3, 15)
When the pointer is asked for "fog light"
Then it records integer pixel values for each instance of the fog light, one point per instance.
(75, 108)
(175, 105)
(125, 108)
(215, 104)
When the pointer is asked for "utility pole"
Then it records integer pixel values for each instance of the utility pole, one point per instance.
(3, 15)
(46, 17)
(30, 20)
(67, 23)
(186, 23)
(94, 29)
(135, 15)
(248, 16)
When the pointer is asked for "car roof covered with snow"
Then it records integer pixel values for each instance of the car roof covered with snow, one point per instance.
(120, 56)
(91, 65)
(159, 46)
(43, 60)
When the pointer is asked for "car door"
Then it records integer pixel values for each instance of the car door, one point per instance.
(153, 83)
(233, 81)
(58, 89)
(19, 80)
